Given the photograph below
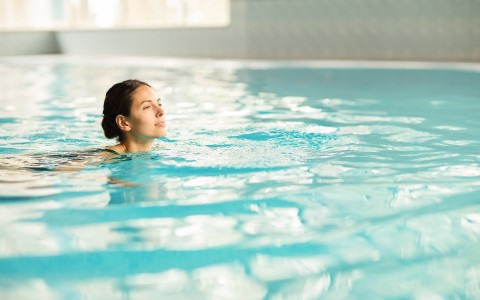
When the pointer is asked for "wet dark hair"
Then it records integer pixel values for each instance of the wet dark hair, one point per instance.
(118, 101)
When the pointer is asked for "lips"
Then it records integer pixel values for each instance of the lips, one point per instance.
(160, 124)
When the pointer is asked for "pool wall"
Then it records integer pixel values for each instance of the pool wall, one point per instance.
(28, 43)
(427, 30)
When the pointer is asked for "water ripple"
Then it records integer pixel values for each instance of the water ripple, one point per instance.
(275, 182)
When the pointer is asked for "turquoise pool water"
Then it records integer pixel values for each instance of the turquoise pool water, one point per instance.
(276, 181)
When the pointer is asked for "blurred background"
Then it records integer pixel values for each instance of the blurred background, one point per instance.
(402, 30)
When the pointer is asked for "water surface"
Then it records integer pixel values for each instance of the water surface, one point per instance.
(276, 181)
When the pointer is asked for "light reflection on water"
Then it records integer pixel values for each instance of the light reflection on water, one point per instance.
(274, 182)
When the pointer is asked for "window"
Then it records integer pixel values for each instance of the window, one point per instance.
(104, 14)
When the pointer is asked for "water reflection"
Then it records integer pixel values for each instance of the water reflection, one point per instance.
(267, 187)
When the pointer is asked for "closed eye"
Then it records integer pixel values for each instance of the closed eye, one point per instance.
(146, 107)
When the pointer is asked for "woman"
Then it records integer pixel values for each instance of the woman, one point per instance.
(133, 114)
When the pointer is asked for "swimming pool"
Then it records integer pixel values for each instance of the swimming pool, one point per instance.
(276, 181)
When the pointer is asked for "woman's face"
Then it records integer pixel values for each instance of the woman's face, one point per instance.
(147, 117)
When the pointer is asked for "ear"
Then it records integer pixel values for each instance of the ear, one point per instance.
(122, 123)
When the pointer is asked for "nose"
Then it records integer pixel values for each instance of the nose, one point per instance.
(159, 111)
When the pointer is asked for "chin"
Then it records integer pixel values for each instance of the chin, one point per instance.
(162, 133)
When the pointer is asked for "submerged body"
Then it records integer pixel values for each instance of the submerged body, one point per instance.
(132, 113)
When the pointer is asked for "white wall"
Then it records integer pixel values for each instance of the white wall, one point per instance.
(433, 30)
(217, 42)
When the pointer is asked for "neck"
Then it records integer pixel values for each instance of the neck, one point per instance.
(132, 145)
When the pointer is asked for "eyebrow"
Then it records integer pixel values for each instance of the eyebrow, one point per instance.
(159, 99)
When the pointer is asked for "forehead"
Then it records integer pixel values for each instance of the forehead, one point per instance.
(143, 93)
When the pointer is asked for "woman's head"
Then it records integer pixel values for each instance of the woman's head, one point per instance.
(132, 107)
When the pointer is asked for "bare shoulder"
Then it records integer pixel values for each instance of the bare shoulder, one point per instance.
(112, 151)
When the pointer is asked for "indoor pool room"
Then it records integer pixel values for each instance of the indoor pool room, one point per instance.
(306, 149)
